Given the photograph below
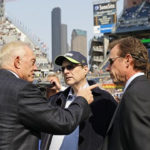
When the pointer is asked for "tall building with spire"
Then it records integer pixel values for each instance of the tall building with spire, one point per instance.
(56, 34)
(79, 41)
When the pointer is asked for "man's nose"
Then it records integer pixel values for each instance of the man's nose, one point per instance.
(65, 70)
(35, 67)
(108, 68)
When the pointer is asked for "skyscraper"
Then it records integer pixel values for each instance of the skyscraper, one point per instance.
(79, 41)
(1, 10)
(56, 34)
(64, 45)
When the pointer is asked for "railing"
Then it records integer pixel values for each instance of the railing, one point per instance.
(35, 39)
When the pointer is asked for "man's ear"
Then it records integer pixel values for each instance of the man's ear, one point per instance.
(129, 59)
(86, 69)
(17, 62)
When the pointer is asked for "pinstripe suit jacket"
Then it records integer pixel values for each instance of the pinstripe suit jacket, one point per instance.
(24, 113)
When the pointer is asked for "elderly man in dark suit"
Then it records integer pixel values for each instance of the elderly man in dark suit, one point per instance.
(130, 127)
(24, 113)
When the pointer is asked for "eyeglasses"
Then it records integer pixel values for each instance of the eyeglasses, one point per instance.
(112, 60)
(69, 67)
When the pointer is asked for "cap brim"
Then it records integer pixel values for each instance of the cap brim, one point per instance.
(59, 60)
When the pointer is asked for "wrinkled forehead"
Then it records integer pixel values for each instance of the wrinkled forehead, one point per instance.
(29, 52)
(115, 51)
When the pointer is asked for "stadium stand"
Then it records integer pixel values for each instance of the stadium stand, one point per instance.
(135, 18)
(9, 32)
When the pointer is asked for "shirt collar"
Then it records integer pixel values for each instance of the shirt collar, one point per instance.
(14, 73)
(132, 78)
(71, 94)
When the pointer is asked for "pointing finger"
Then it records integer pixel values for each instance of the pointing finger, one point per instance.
(93, 86)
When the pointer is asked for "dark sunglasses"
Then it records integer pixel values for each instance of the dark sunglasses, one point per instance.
(69, 67)
(112, 60)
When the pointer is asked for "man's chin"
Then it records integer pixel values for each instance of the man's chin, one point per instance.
(69, 83)
(118, 82)
(30, 79)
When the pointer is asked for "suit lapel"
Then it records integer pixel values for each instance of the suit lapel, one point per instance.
(117, 109)
(113, 118)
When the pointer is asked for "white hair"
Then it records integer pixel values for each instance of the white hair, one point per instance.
(11, 50)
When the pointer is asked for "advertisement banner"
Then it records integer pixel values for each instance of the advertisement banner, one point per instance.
(104, 17)
(107, 28)
(107, 19)
(97, 8)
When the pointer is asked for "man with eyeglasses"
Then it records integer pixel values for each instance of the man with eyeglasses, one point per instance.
(89, 134)
(130, 126)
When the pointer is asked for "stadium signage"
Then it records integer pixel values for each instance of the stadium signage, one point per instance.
(104, 1)
(104, 17)
(104, 8)
(107, 6)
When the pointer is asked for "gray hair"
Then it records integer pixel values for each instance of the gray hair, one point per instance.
(10, 50)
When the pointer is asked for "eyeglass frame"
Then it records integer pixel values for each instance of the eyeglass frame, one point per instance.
(112, 60)
(70, 67)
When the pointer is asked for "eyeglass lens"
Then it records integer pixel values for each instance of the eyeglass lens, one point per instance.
(111, 61)
(68, 67)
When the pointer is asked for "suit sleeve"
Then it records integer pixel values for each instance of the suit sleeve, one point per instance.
(36, 113)
(135, 127)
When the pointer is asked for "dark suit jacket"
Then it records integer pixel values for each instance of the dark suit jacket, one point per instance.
(24, 114)
(130, 126)
(92, 130)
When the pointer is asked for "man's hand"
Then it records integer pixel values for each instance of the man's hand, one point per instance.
(87, 93)
(56, 83)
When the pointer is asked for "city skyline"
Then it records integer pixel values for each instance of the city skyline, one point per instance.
(36, 16)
